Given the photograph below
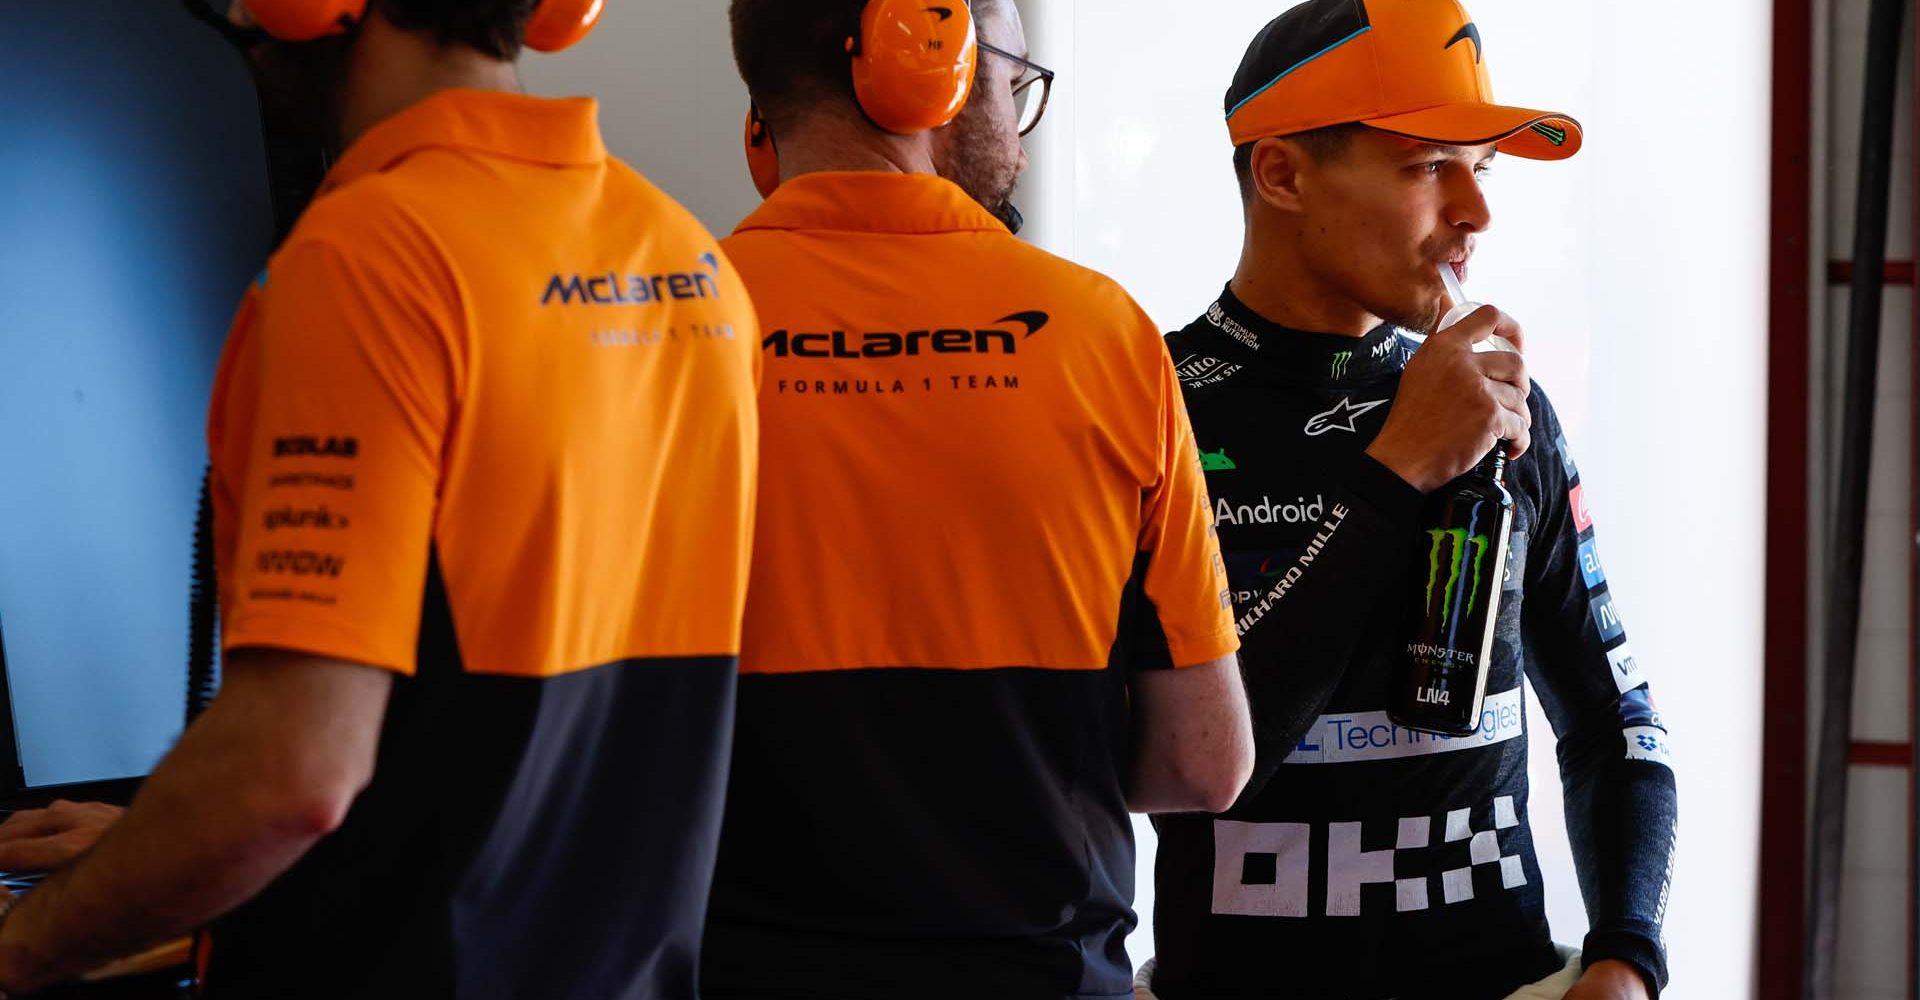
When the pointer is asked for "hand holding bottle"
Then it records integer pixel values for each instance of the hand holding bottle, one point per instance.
(1456, 402)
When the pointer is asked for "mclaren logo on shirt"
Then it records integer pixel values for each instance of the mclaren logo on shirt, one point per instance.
(611, 288)
(1000, 339)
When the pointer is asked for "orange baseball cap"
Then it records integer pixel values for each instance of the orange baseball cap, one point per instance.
(1414, 68)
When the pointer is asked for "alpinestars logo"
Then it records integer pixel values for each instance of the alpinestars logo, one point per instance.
(1341, 417)
(910, 343)
(1459, 543)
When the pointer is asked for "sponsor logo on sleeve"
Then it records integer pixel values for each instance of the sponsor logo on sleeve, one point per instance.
(1590, 568)
(1637, 708)
(1626, 671)
(305, 480)
(1577, 503)
(1566, 456)
(304, 446)
(289, 518)
(1650, 744)
(1606, 619)
(299, 562)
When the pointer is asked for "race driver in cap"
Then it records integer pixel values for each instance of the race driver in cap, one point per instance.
(1365, 861)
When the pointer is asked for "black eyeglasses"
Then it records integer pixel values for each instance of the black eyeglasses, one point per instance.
(1029, 105)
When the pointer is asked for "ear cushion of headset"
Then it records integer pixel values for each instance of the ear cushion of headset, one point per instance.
(913, 68)
(304, 20)
(556, 24)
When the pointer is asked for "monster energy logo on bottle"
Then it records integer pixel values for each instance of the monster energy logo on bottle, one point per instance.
(1340, 363)
(1461, 540)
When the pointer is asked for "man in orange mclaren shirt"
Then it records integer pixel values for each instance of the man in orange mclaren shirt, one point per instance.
(483, 444)
(987, 615)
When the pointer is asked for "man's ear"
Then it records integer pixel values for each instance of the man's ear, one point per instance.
(1277, 164)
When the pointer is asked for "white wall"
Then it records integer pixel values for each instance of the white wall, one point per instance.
(1639, 269)
(671, 102)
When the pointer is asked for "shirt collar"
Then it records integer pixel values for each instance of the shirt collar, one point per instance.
(1325, 358)
(871, 202)
(562, 132)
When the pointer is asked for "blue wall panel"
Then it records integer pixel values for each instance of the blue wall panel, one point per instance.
(133, 210)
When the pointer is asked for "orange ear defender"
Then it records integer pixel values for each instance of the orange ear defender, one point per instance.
(763, 160)
(913, 63)
(555, 24)
(913, 67)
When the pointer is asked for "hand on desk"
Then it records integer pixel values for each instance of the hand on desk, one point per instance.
(38, 839)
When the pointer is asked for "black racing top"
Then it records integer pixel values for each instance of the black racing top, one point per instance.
(1366, 861)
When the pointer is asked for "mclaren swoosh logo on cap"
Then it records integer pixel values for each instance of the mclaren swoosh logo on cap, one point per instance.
(1468, 33)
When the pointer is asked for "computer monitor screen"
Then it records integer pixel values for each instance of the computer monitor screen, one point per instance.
(133, 211)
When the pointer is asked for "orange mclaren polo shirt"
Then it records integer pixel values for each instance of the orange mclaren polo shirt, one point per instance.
(982, 511)
(487, 422)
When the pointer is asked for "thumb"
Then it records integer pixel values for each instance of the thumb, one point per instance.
(1475, 327)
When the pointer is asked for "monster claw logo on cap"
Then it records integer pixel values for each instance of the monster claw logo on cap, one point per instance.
(1399, 66)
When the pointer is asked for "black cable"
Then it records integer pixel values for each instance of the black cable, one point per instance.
(1848, 542)
(203, 610)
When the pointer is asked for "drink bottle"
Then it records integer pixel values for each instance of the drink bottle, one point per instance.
(1440, 678)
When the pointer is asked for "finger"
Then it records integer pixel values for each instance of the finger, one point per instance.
(1519, 437)
(1509, 369)
(1478, 326)
(1510, 397)
(42, 853)
(32, 823)
(1508, 329)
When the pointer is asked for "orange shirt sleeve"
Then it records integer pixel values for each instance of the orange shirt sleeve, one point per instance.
(1186, 581)
(333, 402)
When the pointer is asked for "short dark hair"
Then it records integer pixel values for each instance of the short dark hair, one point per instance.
(1325, 144)
(495, 27)
(793, 52)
